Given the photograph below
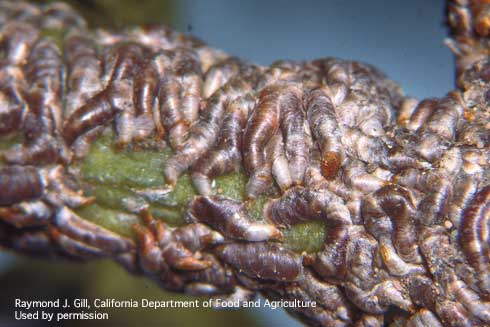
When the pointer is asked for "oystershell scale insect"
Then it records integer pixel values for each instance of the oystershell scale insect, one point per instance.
(120, 124)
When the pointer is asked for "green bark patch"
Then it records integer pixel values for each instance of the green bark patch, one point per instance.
(306, 237)
(121, 179)
(57, 35)
(114, 220)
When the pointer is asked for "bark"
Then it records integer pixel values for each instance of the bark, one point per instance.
(307, 182)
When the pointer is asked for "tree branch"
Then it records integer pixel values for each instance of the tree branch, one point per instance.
(304, 181)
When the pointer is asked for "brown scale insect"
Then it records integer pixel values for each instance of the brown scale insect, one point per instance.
(80, 237)
(336, 70)
(220, 73)
(188, 70)
(465, 296)
(260, 260)
(160, 248)
(172, 121)
(446, 119)
(323, 122)
(30, 183)
(14, 108)
(396, 204)
(280, 170)
(459, 18)
(481, 15)
(400, 158)
(364, 97)
(26, 214)
(368, 320)
(216, 279)
(20, 11)
(276, 75)
(436, 192)
(423, 318)
(156, 37)
(179, 93)
(197, 237)
(423, 292)
(74, 247)
(473, 239)
(17, 41)
(19, 183)
(33, 242)
(205, 132)
(122, 63)
(353, 262)
(44, 73)
(468, 23)
(145, 89)
(44, 150)
(84, 71)
(313, 175)
(226, 157)
(44, 115)
(304, 204)
(454, 163)
(261, 126)
(328, 296)
(262, 180)
(465, 305)
(400, 184)
(457, 305)
(360, 178)
(346, 115)
(83, 82)
(430, 147)
(329, 264)
(365, 148)
(294, 134)
(306, 72)
(151, 263)
(380, 297)
(99, 110)
(208, 57)
(230, 218)
(407, 106)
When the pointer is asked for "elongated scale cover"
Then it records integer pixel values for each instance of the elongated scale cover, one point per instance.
(313, 180)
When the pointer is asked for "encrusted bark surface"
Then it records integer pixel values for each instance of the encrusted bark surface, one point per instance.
(308, 181)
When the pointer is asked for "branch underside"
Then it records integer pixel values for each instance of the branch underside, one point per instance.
(308, 181)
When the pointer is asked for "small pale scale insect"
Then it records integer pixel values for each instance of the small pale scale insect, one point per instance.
(398, 189)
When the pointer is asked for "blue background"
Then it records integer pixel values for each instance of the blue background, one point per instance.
(403, 38)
